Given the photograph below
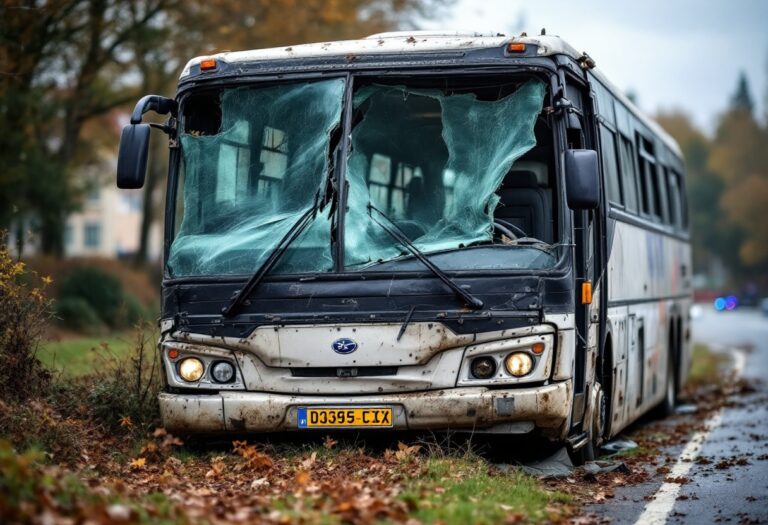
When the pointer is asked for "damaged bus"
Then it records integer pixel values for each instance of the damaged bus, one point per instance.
(416, 231)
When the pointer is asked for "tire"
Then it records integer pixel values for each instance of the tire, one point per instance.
(583, 454)
(595, 429)
(667, 406)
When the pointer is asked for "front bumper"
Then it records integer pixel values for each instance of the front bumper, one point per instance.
(547, 407)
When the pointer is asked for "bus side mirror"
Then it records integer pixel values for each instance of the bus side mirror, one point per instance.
(582, 179)
(132, 156)
(134, 141)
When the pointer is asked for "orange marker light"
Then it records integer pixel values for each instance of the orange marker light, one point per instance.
(516, 47)
(586, 292)
(173, 353)
(537, 348)
(207, 64)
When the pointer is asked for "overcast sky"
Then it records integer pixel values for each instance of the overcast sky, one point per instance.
(683, 54)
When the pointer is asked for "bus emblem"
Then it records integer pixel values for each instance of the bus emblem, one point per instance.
(344, 346)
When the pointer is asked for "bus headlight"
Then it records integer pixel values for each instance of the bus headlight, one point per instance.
(223, 372)
(483, 367)
(518, 364)
(191, 369)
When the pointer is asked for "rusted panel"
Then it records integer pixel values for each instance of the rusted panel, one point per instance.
(186, 413)
(546, 406)
(564, 355)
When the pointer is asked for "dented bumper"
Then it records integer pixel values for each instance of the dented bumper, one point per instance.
(546, 407)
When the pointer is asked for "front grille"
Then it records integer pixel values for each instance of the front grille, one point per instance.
(347, 371)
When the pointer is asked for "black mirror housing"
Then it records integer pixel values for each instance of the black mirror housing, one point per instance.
(582, 179)
(132, 156)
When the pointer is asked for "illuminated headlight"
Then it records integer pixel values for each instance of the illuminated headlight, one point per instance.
(483, 367)
(223, 372)
(191, 369)
(519, 364)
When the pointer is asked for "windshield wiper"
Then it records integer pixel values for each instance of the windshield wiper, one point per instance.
(400, 237)
(291, 235)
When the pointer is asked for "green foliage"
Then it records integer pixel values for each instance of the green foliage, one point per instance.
(18, 477)
(89, 296)
(124, 391)
(468, 490)
(728, 190)
(75, 313)
(99, 289)
(24, 311)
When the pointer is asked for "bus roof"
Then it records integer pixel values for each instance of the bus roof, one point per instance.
(426, 41)
(394, 42)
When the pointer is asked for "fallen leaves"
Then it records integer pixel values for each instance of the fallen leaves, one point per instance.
(138, 463)
(254, 459)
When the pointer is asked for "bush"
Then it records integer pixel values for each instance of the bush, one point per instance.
(76, 314)
(131, 311)
(102, 291)
(124, 392)
(24, 312)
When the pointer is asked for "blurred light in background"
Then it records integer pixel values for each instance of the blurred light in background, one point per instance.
(726, 303)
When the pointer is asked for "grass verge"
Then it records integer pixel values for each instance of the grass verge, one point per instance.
(468, 490)
(706, 366)
(80, 356)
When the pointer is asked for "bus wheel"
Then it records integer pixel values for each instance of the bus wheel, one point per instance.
(667, 405)
(595, 428)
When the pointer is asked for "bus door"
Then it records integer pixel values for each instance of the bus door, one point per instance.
(585, 264)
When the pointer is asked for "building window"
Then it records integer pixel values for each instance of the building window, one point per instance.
(94, 194)
(92, 235)
(68, 235)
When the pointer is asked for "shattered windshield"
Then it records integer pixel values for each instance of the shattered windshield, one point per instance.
(255, 159)
(462, 167)
(441, 164)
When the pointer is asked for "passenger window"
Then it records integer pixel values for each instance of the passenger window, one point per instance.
(274, 159)
(683, 200)
(663, 201)
(648, 184)
(675, 200)
(610, 168)
(628, 174)
(604, 103)
(391, 191)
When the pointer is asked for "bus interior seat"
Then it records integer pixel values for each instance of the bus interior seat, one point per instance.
(526, 204)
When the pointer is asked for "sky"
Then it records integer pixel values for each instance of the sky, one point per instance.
(673, 54)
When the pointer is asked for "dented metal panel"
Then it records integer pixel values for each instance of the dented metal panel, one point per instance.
(547, 407)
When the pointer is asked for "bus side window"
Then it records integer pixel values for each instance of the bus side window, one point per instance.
(628, 173)
(648, 183)
(610, 168)
(676, 200)
(683, 200)
(663, 202)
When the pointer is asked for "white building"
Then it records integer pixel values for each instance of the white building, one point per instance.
(108, 225)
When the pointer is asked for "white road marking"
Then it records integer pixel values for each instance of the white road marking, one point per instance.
(658, 509)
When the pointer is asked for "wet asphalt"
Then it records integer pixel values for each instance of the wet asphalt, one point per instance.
(728, 477)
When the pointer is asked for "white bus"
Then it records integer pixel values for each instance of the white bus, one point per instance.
(416, 231)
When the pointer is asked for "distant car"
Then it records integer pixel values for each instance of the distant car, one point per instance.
(764, 306)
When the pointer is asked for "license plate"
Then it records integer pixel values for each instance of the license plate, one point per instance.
(343, 417)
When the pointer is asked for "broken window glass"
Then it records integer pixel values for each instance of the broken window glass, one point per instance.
(253, 160)
(432, 161)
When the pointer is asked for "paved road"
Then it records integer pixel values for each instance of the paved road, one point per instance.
(728, 480)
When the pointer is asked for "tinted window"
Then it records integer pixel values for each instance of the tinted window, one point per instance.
(628, 173)
(649, 191)
(610, 167)
(661, 187)
(675, 202)
(604, 103)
